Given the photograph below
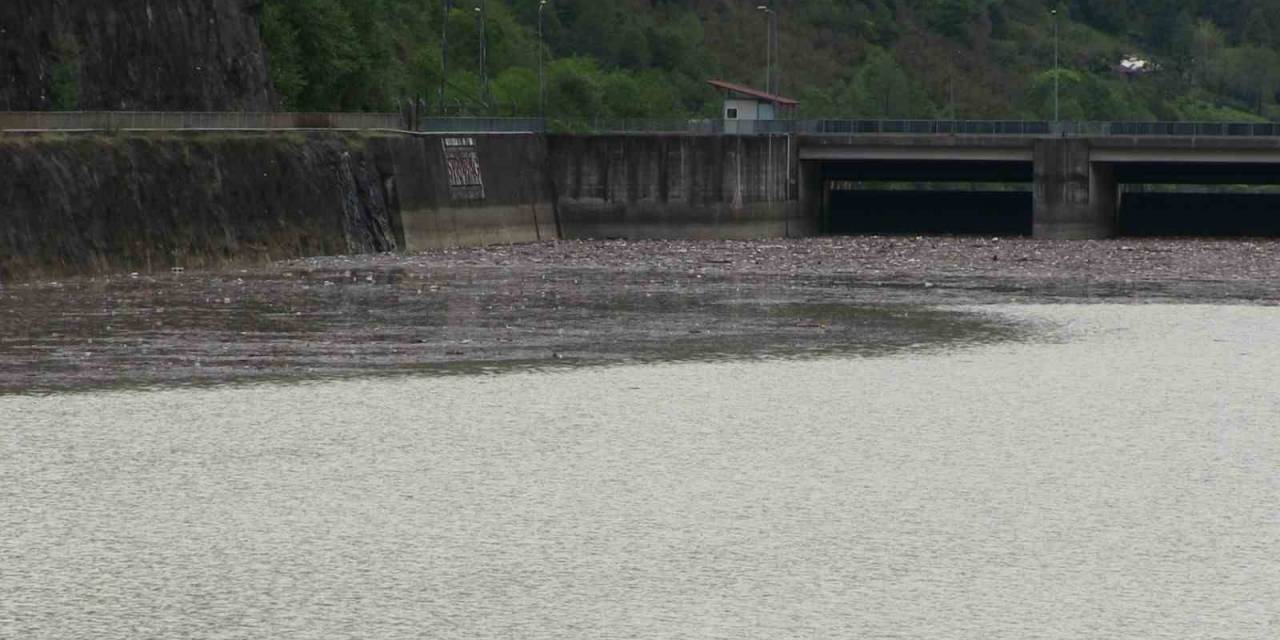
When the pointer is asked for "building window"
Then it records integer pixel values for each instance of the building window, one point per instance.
(731, 114)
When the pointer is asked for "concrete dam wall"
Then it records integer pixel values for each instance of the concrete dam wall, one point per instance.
(466, 190)
(677, 187)
(124, 202)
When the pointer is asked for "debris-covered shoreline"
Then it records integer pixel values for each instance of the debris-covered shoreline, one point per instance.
(1184, 269)
(557, 304)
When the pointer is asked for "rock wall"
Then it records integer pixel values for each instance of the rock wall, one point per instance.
(677, 187)
(83, 204)
(203, 55)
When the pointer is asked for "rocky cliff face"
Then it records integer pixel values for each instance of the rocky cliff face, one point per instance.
(203, 55)
(83, 204)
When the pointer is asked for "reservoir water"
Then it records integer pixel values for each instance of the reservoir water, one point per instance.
(1116, 475)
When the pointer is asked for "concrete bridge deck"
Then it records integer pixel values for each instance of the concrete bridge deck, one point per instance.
(1076, 179)
(1123, 148)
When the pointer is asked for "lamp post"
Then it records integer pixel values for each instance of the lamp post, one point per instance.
(768, 60)
(542, 78)
(484, 71)
(444, 51)
(1057, 112)
(951, 89)
(771, 29)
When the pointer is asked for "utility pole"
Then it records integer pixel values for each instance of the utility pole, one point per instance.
(777, 54)
(768, 56)
(542, 77)
(770, 33)
(444, 51)
(952, 90)
(1057, 111)
(484, 71)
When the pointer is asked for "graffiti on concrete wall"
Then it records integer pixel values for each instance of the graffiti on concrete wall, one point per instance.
(463, 163)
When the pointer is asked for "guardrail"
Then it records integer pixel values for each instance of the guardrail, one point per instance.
(1176, 129)
(698, 126)
(923, 127)
(174, 120)
(1036, 128)
(569, 125)
(180, 120)
(851, 127)
(482, 125)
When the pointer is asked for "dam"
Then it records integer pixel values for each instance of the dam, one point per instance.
(93, 192)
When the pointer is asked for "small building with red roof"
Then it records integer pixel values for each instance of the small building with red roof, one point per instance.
(744, 103)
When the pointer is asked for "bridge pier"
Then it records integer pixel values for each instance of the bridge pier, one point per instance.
(814, 200)
(1075, 198)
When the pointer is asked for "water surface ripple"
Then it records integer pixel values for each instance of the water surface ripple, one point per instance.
(1118, 481)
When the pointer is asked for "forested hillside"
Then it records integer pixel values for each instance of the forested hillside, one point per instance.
(1207, 59)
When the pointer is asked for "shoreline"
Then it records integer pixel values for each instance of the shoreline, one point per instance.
(585, 303)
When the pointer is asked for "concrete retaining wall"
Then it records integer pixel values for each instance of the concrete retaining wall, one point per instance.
(668, 187)
(511, 203)
(79, 203)
(83, 203)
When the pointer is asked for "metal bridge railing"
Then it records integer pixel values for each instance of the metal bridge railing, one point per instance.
(1177, 129)
(851, 127)
(599, 126)
(482, 125)
(699, 126)
(180, 120)
(922, 127)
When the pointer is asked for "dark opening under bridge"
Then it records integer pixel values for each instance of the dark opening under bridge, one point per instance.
(1076, 180)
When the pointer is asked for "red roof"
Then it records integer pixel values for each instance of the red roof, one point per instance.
(754, 93)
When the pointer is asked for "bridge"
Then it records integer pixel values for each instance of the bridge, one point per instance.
(1076, 181)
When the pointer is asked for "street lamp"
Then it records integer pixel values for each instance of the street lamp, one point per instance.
(1057, 112)
(542, 80)
(771, 25)
(444, 51)
(484, 71)
(771, 16)
(951, 86)
(951, 89)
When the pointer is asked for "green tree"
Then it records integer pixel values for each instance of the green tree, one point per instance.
(65, 93)
(880, 87)
(286, 64)
(515, 92)
(1251, 74)
(574, 87)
